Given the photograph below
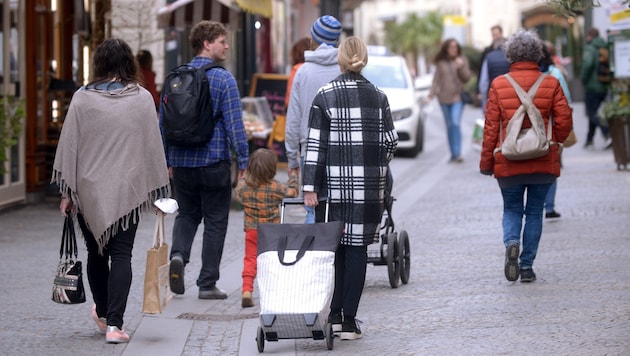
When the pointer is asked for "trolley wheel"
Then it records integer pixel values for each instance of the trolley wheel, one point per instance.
(393, 267)
(260, 339)
(404, 256)
(330, 336)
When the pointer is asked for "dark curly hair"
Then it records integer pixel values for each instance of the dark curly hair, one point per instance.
(205, 30)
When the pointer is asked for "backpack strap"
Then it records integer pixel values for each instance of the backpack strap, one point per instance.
(527, 103)
(209, 66)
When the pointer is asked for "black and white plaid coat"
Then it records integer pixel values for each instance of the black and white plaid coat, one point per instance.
(350, 143)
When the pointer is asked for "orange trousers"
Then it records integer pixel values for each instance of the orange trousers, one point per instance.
(249, 261)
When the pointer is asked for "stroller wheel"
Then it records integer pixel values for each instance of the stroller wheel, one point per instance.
(404, 257)
(260, 340)
(393, 265)
(330, 336)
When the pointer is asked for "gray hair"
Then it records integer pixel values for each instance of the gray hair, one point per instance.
(524, 46)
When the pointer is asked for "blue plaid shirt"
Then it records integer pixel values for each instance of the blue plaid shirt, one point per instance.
(229, 130)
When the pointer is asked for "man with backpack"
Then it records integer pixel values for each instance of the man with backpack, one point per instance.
(200, 168)
(595, 86)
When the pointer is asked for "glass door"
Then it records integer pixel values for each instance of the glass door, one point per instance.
(12, 182)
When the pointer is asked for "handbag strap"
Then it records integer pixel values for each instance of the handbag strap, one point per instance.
(68, 239)
(282, 246)
(158, 235)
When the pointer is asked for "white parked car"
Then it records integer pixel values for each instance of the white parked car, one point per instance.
(391, 74)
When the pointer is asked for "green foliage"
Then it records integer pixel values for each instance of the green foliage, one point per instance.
(474, 58)
(619, 106)
(416, 35)
(576, 7)
(11, 115)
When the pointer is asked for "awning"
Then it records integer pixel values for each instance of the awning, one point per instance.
(258, 7)
(182, 12)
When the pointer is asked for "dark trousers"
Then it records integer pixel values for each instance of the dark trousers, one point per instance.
(350, 269)
(592, 101)
(203, 192)
(110, 284)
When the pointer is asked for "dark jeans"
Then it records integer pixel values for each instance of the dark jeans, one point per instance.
(592, 101)
(203, 192)
(110, 284)
(350, 269)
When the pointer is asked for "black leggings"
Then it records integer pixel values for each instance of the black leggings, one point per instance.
(350, 269)
(110, 286)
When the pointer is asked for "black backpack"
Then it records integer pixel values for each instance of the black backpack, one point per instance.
(603, 66)
(187, 113)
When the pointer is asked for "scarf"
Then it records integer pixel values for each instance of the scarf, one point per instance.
(110, 158)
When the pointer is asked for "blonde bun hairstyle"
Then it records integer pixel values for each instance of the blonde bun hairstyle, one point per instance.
(352, 55)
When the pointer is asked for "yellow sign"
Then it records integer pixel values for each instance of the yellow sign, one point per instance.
(454, 20)
(619, 16)
(258, 7)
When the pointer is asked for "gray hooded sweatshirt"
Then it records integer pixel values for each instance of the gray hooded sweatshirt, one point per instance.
(319, 68)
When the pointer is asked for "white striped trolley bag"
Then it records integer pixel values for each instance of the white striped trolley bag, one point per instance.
(296, 278)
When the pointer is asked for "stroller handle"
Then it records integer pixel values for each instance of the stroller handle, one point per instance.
(300, 201)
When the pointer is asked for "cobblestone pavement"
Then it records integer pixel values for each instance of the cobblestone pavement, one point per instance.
(457, 301)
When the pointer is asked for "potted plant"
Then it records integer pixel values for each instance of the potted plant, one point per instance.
(11, 115)
(617, 114)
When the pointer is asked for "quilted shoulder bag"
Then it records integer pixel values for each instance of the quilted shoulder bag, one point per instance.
(68, 283)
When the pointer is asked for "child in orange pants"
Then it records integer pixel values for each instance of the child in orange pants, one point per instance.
(261, 194)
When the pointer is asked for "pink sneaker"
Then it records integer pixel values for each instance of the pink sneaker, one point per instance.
(101, 323)
(116, 336)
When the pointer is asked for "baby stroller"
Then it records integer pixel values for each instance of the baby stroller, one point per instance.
(393, 251)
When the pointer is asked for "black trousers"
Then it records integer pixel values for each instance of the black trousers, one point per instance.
(350, 269)
(592, 101)
(110, 285)
(203, 193)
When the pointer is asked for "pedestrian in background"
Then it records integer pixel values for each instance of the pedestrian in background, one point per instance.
(201, 175)
(532, 177)
(548, 66)
(261, 194)
(297, 59)
(320, 67)
(493, 65)
(351, 140)
(497, 41)
(451, 74)
(594, 90)
(145, 60)
(110, 169)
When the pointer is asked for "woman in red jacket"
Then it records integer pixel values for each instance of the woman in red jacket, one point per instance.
(531, 177)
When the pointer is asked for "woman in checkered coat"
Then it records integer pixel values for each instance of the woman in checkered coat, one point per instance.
(350, 143)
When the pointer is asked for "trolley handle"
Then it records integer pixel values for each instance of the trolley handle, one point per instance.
(300, 201)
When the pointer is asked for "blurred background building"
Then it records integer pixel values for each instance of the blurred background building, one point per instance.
(46, 47)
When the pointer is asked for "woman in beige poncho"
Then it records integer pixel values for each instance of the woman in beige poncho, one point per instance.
(110, 167)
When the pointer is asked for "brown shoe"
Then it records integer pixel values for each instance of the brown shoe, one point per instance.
(247, 301)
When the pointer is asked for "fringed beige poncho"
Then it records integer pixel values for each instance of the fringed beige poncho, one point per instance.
(110, 159)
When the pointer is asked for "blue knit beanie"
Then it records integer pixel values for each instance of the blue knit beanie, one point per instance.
(326, 29)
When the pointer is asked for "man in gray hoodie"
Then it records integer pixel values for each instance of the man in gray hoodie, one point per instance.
(319, 68)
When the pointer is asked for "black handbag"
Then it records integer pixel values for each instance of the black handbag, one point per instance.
(466, 97)
(68, 283)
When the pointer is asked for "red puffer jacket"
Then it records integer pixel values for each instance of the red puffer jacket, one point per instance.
(503, 103)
